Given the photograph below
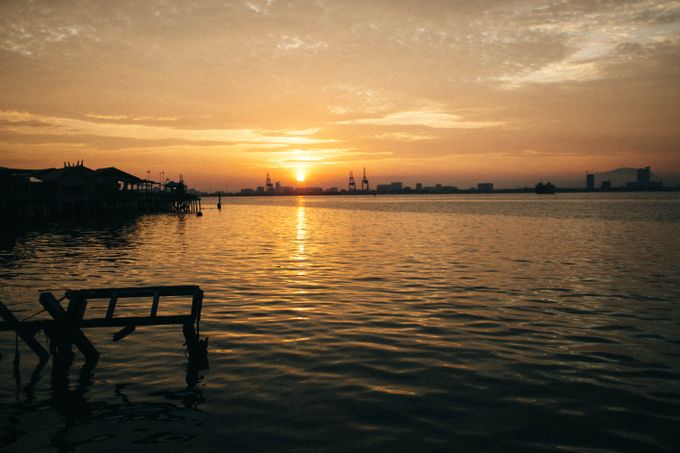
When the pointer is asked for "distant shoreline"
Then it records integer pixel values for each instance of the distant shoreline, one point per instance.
(526, 190)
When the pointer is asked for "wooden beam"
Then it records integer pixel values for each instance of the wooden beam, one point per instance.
(34, 326)
(154, 304)
(24, 332)
(124, 332)
(112, 306)
(136, 320)
(71, 327)
(107, 293)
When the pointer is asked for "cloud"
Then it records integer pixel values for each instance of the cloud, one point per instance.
(260, 7)
(590, 35)
(573, 71)
(295, 43)
(403, 136)
(47, 125)
(129, 118)
(428, 118)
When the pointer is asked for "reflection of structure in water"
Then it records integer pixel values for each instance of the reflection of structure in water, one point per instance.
(83, 419)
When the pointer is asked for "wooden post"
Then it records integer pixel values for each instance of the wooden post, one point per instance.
(154, 304)
(196, 307)
(112, 306)
(25, 334)
(76, 308)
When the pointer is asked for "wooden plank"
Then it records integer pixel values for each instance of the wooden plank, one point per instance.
(136, 320)
(34, 326)
(154, 304)
(112, 306)
(71, 331)
(124, 332)
(24, 332)
(106, 293)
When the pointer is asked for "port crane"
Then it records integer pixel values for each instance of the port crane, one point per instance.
(269, 187)
(352, 186)
(364, 182)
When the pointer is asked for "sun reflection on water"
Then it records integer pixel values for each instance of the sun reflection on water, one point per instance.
(301, 229)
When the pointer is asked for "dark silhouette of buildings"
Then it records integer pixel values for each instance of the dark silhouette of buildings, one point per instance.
(75, 188)
(643, 181)
(545, 189)
(393, 187)
(643, 175)
(485, 187)
(590, 181)
(605, 180)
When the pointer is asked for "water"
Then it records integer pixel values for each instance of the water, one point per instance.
(503, 322)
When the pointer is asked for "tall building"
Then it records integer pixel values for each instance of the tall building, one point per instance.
(393, 187)
(485, 187)
(590, 181)
(643, 176)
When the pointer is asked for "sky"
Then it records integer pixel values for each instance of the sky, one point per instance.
(452, 92)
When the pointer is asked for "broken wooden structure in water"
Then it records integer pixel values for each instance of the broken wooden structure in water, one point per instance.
(64, 329)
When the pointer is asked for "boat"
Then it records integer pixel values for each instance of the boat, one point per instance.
(543, 189)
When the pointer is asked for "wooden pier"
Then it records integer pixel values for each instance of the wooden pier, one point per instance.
(77, 190)
(64, 329)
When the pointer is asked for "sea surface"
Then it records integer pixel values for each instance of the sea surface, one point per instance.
(364, 323)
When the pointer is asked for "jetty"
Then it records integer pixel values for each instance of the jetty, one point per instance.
(64, 327)
(76, 190)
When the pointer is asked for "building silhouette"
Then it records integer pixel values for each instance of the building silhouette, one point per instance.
(644, 181)
(485, 187)
(590, 181)
(643, 175)
(393, 187)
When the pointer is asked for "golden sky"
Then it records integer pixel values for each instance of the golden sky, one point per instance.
(454, 92)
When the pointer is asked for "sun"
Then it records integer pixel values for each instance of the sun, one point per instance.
(299, 175)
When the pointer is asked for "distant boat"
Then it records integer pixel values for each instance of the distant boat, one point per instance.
(543, 189)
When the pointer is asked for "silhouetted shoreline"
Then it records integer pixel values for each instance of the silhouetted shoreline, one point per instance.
(524, 190)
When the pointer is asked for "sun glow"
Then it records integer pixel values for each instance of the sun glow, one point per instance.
(299, 175)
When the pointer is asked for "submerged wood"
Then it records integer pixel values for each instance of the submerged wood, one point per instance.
(23, 331)
(64, 329)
